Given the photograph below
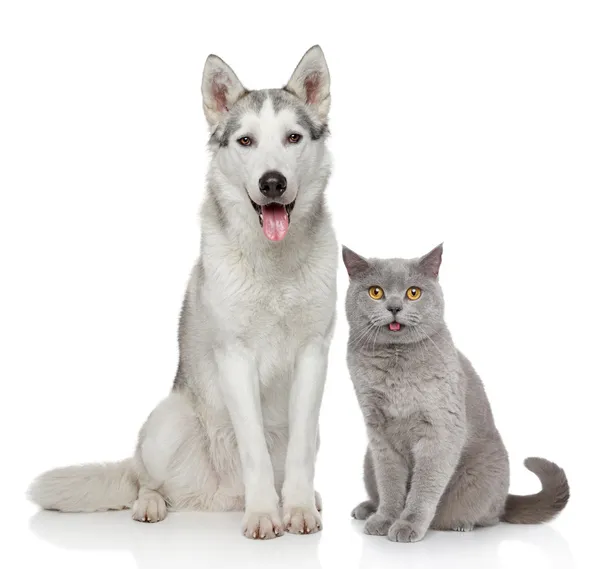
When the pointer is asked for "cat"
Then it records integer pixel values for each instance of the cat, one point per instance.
(435, 458)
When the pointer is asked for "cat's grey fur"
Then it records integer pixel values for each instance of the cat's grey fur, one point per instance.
(435, 458)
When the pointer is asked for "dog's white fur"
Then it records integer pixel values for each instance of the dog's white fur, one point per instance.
(240, 427)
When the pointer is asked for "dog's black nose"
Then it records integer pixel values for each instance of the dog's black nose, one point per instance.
(272, 184)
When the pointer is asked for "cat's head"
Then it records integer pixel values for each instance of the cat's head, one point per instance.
(394, 301)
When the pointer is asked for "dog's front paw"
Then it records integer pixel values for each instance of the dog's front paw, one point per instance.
(262, 525)
(378, 524)
(406, 532)
(302, 520)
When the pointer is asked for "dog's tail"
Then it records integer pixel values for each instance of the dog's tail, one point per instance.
(543, 506)
(86, 488)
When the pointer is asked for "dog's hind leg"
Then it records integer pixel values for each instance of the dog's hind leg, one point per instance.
(150, 506)
(168, 462)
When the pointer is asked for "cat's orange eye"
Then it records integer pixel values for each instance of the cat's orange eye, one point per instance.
(376, 292)
(413, 293)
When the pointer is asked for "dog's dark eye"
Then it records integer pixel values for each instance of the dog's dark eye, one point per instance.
(245, 141)
(294, 138)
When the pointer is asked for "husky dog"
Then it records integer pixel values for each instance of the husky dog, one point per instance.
(240, 426)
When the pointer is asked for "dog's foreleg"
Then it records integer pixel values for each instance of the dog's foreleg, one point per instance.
(300, 513)
(238, 380)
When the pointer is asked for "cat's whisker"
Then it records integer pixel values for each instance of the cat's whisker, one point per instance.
(420, 343)
(365, 341)
(361, 334)
(364, 336)
(438, 333)
(375, 340)
(436, 346)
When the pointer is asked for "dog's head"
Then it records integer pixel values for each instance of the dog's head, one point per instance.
(268, 145)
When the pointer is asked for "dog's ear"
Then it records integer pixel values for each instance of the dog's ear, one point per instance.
(355, 264)
(310, 81)
(430, 263)
(220, 89)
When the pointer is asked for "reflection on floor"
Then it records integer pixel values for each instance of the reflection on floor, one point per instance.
(213, 540)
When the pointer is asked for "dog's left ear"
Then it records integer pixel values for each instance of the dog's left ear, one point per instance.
(220, 89)
(310, 81)
(430, 263)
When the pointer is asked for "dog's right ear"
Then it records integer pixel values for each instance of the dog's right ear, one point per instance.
(355, 264)
(220, 89)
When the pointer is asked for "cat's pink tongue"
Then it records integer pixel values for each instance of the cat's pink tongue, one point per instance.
(275, 221)
(395, 326)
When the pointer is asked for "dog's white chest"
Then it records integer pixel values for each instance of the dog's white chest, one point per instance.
(273, 314)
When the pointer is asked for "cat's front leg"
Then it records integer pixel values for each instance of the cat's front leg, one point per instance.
(434, 464)
(391, 476)
(300, 508)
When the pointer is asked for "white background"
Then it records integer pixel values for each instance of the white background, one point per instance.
(476, 123)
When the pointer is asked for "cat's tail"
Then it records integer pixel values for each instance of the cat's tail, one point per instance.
(86, 488)
(543, 506)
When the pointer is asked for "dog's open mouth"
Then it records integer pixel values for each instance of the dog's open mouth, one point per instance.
(274, 218)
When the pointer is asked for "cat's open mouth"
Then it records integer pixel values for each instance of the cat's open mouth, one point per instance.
(395, 326)
(274, 218)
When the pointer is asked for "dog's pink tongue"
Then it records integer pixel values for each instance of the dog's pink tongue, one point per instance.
(395, 326)
(275, 221)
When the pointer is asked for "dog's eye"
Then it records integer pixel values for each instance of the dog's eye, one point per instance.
(294, 138)
(413, 293)
(245, 141)
(376, 292)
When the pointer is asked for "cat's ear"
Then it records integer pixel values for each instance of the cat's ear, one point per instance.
(355, 264)
(310, 81)
(220, 89)
(430, 263)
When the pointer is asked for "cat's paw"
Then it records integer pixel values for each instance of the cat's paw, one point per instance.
(378, 524)
(262, 525)
(463, 527)
(406, 532)
(302, 520)
(363, 510)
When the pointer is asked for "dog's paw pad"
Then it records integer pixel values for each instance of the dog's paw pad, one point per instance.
(262, 526)
(302, 520)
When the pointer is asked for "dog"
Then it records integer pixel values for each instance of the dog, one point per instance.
(239, 429)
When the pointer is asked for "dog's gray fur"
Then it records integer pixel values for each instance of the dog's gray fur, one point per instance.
(435, 458)
(240, 427)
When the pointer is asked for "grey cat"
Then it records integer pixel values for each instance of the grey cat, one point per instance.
(435, 458)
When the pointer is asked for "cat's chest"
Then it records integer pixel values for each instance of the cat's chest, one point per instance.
(405, 396)
(400, 391)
